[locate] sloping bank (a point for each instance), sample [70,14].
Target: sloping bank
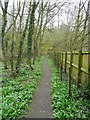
[63,107]
[18,92]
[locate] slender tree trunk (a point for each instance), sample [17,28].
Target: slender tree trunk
[84,29]
[12,46]
[3,34]
[77,24]
[35,38]
[40,28]
[42,33]
[22,36]
[30,34]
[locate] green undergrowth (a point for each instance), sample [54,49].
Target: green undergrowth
[63,106]
[18,92]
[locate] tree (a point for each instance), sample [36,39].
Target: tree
[3,33]
[30,34]
[22,36]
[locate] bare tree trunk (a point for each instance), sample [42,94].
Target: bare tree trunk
[12,46]
[22,37]
[35,38]
[84,29]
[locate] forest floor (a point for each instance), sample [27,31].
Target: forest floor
[41,103]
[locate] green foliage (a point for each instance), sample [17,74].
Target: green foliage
[86,90]
[58,38]
[18,92]
[63,106]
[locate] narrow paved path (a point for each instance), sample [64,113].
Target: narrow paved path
[41,103]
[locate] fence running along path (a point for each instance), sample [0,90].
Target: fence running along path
[76,64]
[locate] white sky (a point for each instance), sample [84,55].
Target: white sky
[63,17]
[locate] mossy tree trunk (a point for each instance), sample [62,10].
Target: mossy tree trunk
[30,34]
[3,34]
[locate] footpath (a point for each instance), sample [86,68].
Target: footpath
[41,103]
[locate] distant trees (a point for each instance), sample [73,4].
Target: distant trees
[81,25]
[23,30]
[26,35]
[72,35]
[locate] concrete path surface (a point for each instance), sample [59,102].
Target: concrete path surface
[41,103]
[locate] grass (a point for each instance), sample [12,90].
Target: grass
[63,106]
[18,92]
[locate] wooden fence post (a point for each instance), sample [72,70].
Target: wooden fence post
[69,83]
[79,68]
[62,60]
[54,58]
[61,64]
[89,40]
[88,67]
[58,61]
[65,62]
[71,60]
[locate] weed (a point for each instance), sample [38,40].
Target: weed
[18,92]
[63,106]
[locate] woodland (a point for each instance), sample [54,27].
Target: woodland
[28,30]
